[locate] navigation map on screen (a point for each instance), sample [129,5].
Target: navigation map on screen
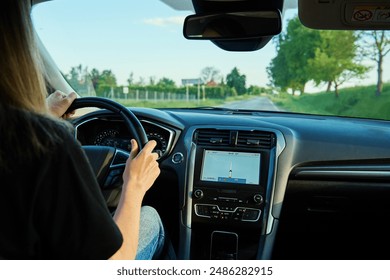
[231,167]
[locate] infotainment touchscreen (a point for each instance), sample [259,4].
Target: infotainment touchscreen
[231,167]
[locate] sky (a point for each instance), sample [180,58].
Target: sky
[140,37]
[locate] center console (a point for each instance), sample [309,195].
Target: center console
[230,194]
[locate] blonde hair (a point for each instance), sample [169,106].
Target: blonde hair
[26,128]
[22,83]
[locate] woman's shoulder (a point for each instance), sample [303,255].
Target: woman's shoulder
[54,127]
[32,135]
[50,130]
[14,118]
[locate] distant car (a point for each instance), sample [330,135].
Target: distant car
[235,183]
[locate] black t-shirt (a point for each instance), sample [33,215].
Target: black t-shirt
[51,207]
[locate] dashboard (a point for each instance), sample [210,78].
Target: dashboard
[263,185]
[113,132]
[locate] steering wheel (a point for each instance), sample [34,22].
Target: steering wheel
[108,163]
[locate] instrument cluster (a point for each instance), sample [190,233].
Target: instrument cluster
[113,132]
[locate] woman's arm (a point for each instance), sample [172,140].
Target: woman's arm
[140,173]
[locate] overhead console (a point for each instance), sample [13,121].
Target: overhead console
[230,192]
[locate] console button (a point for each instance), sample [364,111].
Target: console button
[215,215]
[227,199]
[258,198]
[177,158]
[251,215]
[237,216]
[227,208]
[198,194]
[225,215]
[202,210]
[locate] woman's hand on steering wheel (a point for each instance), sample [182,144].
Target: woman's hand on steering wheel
[141,169]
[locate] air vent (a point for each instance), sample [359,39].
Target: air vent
[212,137]
[248,139]
[259,139]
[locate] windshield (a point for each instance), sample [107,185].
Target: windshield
[135,52]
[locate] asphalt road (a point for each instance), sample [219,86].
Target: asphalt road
[257,103]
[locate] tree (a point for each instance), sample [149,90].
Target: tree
[319,55]
[130,80]
[93,82]
[335,59]
[236,81]
[256,90]
[95,77]
[141,81]
[278,72]
[290,69]
[75,76]
[107,78]
[209,74]
[152,80]
[79,78]
[378,43]
[165,82]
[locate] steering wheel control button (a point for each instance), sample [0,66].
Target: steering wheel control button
[177,158]
[114,178]
[198,194]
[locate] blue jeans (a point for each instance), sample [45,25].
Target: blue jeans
[151,234]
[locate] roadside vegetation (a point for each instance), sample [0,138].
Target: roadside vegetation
[182,104]
[210,85]
[330,58]
[353,102]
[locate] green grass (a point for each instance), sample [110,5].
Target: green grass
[353,102]
[180,104]
[167,104]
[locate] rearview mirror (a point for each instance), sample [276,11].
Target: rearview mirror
[237,25]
